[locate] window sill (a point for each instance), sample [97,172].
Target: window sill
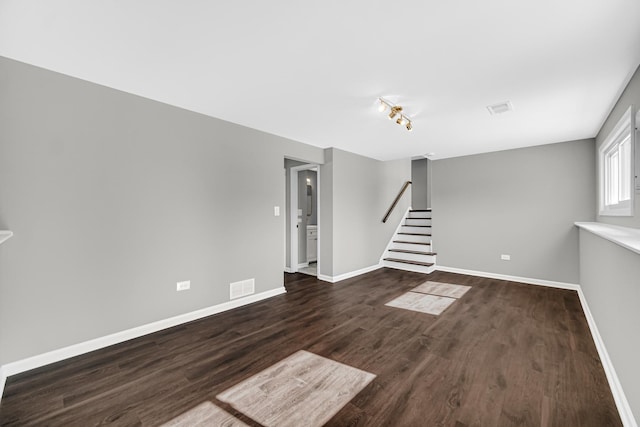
[624,210]
[628,238]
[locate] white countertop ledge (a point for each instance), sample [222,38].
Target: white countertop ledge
[4,235]
[626,237]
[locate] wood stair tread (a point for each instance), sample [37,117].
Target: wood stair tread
[416,234]
[420,210]
[406,251]
[412,243]
[405,261]
[410,225]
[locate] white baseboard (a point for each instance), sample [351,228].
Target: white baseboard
[334,279]
[118,337]
[288,270]
[620,398]
[527,280]
[3,380]
[303,265]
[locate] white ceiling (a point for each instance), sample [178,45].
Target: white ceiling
[311,71]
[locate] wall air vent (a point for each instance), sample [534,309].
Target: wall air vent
[242,288]
[500,108]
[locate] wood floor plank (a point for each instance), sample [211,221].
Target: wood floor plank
[503,354]
[303,389]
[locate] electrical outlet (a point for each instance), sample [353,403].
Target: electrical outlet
[183,286]
[505,257]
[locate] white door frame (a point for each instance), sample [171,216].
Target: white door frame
[293,196]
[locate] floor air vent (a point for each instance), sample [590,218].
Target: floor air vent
[242,288]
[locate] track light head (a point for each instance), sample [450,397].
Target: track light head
[395,110]
[382,106]
[409,126]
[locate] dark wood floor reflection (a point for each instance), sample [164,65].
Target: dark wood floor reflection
[503,354]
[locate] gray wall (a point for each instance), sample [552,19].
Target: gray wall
[609,276]
[363,189]
[114,198]
[519,202]
[325,231]
[421,184]
[630,96]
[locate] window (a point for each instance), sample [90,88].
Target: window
[616,169]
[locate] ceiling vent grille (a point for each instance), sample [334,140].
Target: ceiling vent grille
[500,108]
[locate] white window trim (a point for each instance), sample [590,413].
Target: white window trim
[625,125]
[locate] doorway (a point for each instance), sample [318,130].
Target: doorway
[304,219]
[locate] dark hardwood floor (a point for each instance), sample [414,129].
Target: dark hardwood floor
[503,354]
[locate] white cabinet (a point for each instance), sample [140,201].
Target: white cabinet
[312,243]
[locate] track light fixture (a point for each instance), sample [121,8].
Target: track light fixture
[395,110]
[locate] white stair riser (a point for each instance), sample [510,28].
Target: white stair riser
[410,229]
[410,267]
[420,215]
[411,238]
[417,221]
[411,247]
[411,257]
[418,227]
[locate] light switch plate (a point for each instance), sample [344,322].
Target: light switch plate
[276,211]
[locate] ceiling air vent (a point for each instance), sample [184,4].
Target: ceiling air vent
[500,108]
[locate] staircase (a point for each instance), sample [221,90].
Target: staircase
[411,247]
